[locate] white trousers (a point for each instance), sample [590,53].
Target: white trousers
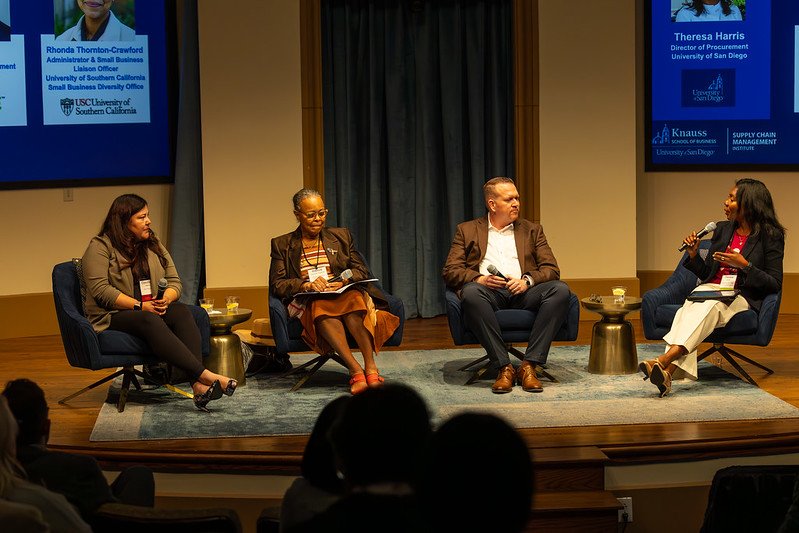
[693,323]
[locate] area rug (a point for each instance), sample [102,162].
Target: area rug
[266,407]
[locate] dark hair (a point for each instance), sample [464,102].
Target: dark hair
[27,403]
[318,461]
[699,6]
[115,227]
[301,195]
[380,435]
[450,480]
[758,207]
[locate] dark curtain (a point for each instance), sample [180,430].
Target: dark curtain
[418,114]
[187,242]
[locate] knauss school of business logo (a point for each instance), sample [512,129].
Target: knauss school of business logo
[67,105]
[663,136]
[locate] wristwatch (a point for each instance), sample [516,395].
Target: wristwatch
[527,281]
[748,267]
[137,306]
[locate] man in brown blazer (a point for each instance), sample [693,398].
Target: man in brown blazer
[501,261]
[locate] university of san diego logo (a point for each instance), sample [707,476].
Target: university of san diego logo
[67,105]
[708,88]
[713,93]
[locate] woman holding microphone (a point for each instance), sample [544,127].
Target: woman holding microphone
[121,267]
[745,253]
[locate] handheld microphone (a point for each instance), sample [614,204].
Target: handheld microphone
[347,274]
[711,226]
[162,285]
[495,272]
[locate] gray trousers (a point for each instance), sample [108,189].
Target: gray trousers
[550,301]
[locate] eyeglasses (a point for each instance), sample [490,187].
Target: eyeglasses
[322,213]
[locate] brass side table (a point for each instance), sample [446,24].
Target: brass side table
[225,356]
[613,339]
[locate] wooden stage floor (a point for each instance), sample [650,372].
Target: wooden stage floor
[42,359]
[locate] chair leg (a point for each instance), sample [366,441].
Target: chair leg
[123,394]
[322,359]
[92,386]
[298,369]
[476,375]
[317,363]
[729,355]
[707,353]
[750,361]
[167,386]
[540,369]
[475,362]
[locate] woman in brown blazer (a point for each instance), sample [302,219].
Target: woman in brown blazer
[310,260]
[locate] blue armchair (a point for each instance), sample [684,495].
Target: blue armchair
[658,307]
[288,334]
[108,349]
[515,325]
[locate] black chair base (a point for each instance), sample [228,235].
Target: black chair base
[729,354]
[317,363]
[540,370]
[128,374]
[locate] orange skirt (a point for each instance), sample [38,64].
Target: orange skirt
[380,324]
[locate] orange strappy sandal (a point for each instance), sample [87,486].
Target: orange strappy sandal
[374,380]
[355,382]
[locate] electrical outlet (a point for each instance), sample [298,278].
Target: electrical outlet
[68,195]
[628,509]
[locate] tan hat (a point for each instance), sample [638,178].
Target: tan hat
[261,333]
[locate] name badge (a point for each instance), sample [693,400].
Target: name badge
[728,281]
[146,290]
[316,273]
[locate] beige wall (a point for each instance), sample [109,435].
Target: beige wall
[587,137]
[252,127]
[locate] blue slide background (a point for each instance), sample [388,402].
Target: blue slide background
[38,153]
[760,105]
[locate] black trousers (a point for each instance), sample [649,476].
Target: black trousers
[173,337]
[550,301]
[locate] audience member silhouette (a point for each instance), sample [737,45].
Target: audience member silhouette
[78,477]
[377,441]
[460,492]
[319,487]
[54,508]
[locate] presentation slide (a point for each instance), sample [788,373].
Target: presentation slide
[722,85]
[85,92]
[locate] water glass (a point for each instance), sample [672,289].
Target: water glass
[618,293]
[232,304]
[207,304]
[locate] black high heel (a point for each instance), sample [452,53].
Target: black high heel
[214,392]
[231,387]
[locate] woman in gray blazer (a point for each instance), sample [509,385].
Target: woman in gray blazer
[122,267]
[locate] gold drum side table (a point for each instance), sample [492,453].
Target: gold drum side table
[613,339]
[225,356]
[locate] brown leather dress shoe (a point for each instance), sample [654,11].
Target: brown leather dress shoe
[505,379]
[526,375]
